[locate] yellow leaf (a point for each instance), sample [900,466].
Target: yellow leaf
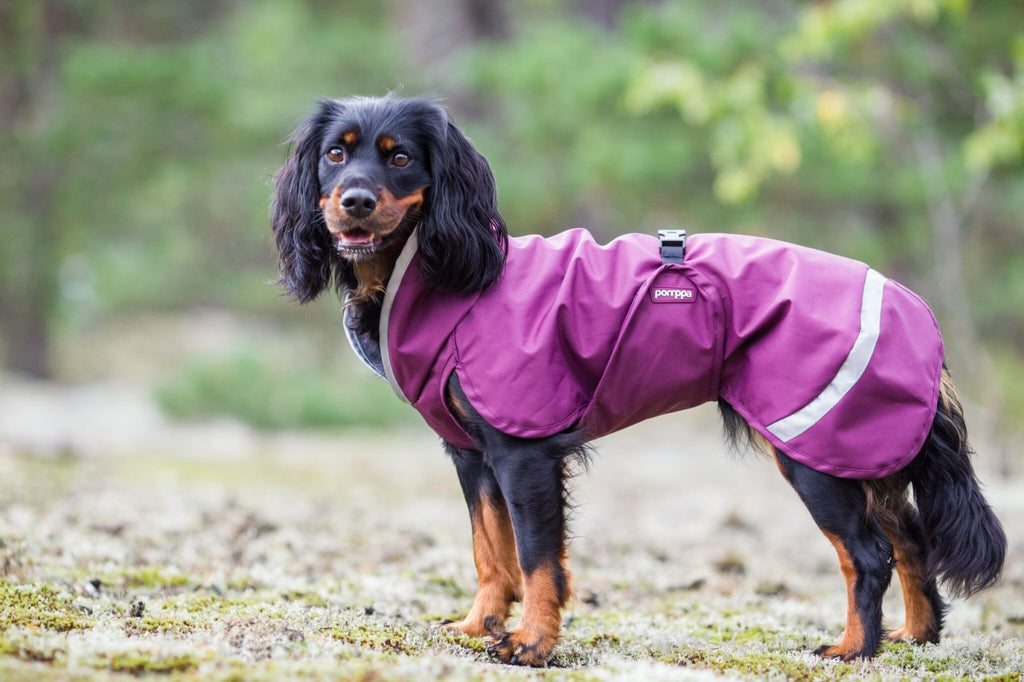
[831,108]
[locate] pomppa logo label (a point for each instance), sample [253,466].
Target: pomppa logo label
[673,295]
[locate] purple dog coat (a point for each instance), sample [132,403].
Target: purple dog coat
[834,364]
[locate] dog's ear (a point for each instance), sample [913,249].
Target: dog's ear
[306,254]
[462,237]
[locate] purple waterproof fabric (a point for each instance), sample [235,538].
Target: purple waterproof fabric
[603,336]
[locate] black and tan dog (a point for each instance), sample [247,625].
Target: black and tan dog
[374,183]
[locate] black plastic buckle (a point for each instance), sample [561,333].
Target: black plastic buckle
[672,245]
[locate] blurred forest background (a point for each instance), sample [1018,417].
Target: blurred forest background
[138,139]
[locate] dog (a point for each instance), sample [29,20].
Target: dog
[519,351]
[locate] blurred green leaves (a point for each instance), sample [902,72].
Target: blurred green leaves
[746,140]
[825,30]
[1001,139]
[886,130]
[139,139]
[265,395]
[162,147]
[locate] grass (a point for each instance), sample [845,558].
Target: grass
[325,559]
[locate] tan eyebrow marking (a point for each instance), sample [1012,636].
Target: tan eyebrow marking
[350,138]
[386,143]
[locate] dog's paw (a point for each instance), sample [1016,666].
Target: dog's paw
[841,652]
[488,626]
[520,647]
[901,636]
[905,635]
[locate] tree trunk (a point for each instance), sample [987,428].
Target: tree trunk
[28,257]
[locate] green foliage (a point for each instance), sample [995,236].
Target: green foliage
[727,93]
[1000,140]
[140,138]
[829,30]
[847,125]
[249,387]
[549,166]
[163,150]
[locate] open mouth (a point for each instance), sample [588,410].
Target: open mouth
[357,240]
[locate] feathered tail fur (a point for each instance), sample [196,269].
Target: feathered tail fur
[965,543]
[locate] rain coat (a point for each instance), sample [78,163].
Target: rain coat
[831,362]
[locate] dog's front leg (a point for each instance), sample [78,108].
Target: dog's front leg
[499,579]
[530,476]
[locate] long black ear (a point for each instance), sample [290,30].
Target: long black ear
[462,238]
[304,246]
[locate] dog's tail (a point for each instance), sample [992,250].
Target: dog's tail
[965,542]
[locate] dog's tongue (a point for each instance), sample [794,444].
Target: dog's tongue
[357,236]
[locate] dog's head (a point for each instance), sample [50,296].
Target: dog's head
[362,174]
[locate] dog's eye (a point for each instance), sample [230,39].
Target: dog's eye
[400,159]
[336,154]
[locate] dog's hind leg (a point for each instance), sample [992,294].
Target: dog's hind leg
[840,508]
[499,579]
[924,605]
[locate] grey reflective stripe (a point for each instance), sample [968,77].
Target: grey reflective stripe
[353,341]
[401,265]
[849,372]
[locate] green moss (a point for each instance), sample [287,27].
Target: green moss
[444,585]
[240,583]
[29,596]
[193,602]
[601,639]
[438,618]
[379,637]
[465,641]
[162,625]
[307,598]
[738,635]
[912,657]
[777,664]
[39,606]
[138,663]
[150,577]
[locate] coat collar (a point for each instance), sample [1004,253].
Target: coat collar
[397,277]
[382,365]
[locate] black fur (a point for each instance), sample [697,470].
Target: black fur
[965,543]
[516,484]
[840,508]
[531,476]
[953,532]
[907,532]
[462,236]
[306,256]
[462,239]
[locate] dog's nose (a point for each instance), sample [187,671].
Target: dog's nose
[358,202]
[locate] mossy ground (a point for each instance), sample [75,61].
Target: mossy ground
[322,558]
